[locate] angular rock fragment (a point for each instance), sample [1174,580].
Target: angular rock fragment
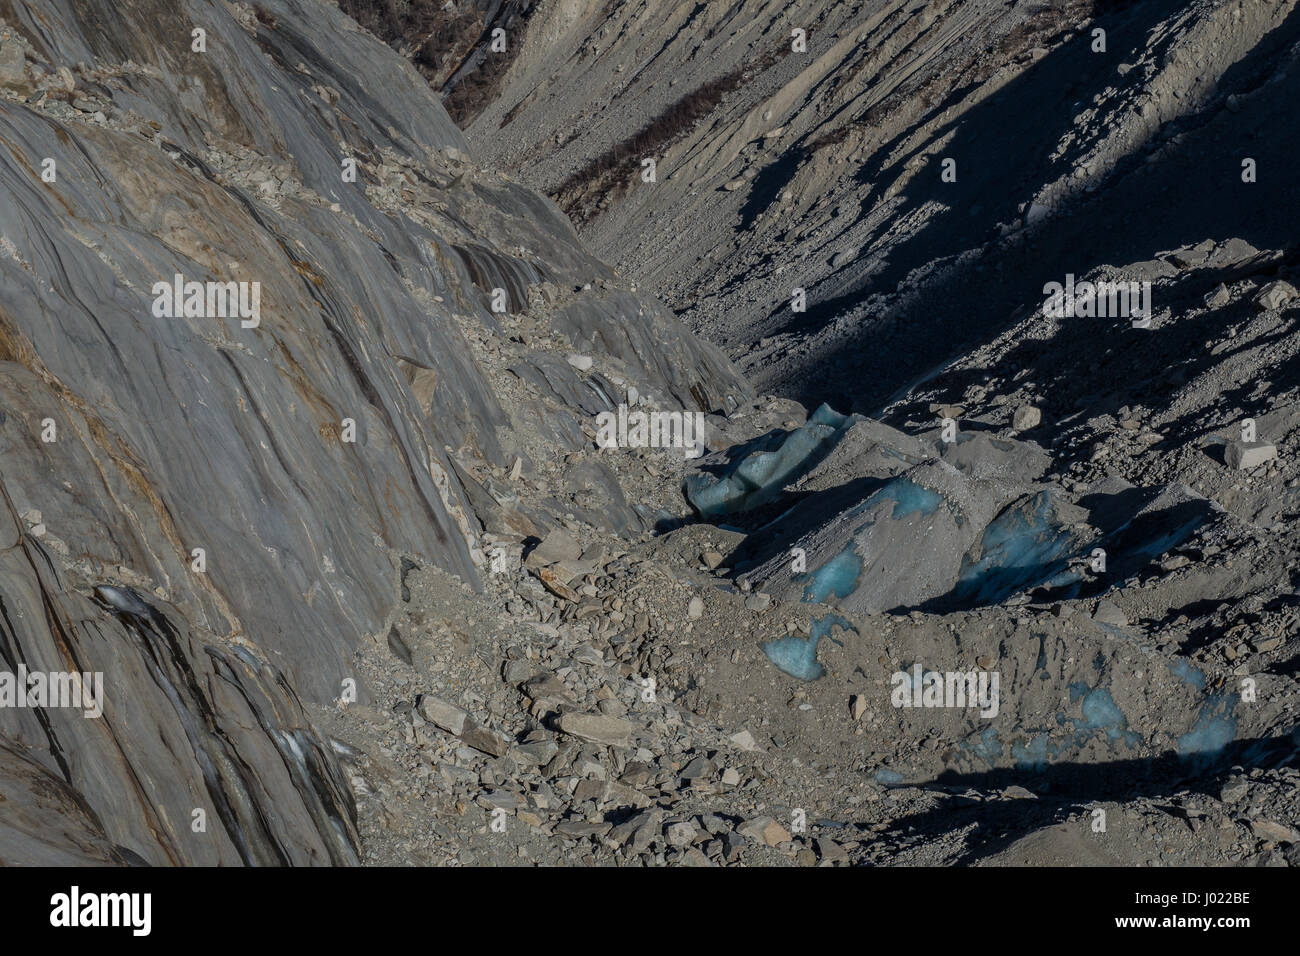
[443,715]
[638,831]
[597,728]
[765,830]
[1218,297]
[1025,418]
[558,546]
[1244,455]
[1107,613]
[552,582]
[13,72]
[1275,295]
[399,646]
[680,834]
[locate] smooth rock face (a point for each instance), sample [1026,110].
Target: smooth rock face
[190,722]
[303,453]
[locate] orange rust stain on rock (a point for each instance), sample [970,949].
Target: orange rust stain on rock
[14,346]
[301,381]
[306,270]
[49,188]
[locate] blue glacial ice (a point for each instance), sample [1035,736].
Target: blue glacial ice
[1215,728]
[1210,732]
[1034,754]
[1023,547]
[908,497]
[985,745]
[758,477]
[797,656]
[1100,712]
[1029,544]
[1187,673]
[1216,722]
[838,577]
[889,778]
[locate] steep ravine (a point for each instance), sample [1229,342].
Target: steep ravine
[355,573]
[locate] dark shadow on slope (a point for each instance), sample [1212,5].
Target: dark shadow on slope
[1192,192]
[450,44]
[1001,148]
[1077,786]
[1035,560]
[1044,22]
[767,185]
[1098,365]
[776,528]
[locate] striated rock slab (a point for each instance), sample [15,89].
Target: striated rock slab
[225,498]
